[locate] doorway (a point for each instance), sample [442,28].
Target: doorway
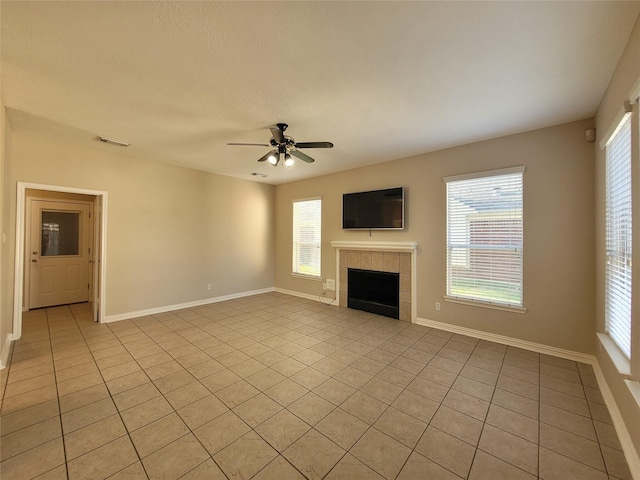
[60,249]
[59,252]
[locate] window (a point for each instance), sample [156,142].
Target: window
[618,237]
[484,237]
[60,233]
[307,236]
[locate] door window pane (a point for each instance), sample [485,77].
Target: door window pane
[60,233]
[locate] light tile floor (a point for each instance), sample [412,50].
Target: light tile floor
[276,387]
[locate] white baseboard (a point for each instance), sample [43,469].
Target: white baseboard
[630,452]
[6,351]
[168,308]
[514,342]
[308,296]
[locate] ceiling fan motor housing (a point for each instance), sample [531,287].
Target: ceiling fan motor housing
[288,142]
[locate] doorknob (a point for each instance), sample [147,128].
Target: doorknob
[35,260]
[34,252]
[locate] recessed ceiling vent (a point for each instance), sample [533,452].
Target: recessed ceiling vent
[257,174]
[113,142]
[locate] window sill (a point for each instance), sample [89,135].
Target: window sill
[478,303]
[618,358]
[306,277]
[634,388]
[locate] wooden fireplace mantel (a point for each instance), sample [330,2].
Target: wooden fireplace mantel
[373,245]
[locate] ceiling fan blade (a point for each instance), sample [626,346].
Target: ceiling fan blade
[263,158]
[251,144]
[302,156]
[314,145]
[278,136]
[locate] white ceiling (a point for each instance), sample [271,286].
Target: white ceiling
[381,80]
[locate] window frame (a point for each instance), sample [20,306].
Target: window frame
[517,307]
[612,321]
[296,252]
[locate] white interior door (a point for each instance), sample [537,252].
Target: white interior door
[60,251]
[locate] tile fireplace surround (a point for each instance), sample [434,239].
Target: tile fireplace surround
[394,257]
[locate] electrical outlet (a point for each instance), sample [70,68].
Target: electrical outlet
[438,306]
[331,284]
[209,286]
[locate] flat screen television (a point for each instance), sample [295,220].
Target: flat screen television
[373,210]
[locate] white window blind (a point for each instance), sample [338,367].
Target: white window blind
[484,237]
[307,236]
[618,237]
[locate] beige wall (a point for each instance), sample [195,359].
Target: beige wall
[6,261]
[170,230]
[626,74]
[558,229]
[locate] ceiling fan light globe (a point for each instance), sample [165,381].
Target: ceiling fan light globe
[288,161]
[273,160]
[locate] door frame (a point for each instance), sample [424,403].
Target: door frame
[99,294]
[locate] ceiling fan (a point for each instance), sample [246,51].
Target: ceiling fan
[285,147]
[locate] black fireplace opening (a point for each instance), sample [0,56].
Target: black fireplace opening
[374,292]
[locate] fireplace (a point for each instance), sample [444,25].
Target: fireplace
[386,257]
[374,292]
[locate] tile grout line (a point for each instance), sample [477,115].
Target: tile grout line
[286,322]
[104,381]
[252,429]
[163,395]
[369,427]
[539,419]
[434,413]
[484,422]
[55,380]
[313,427]
[593,423]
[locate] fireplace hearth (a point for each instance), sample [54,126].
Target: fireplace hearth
[374,292]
